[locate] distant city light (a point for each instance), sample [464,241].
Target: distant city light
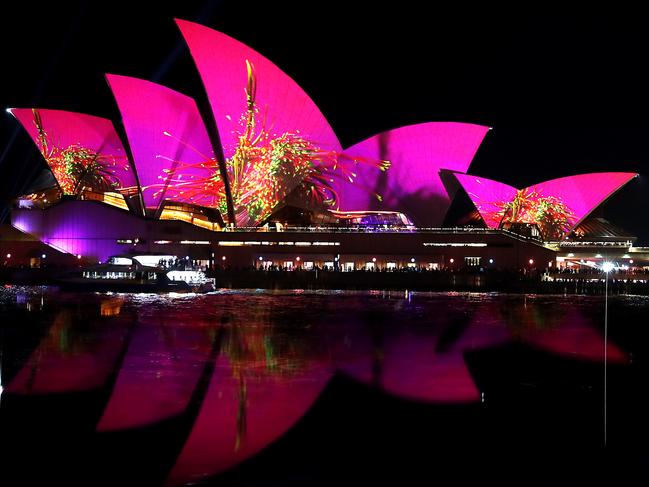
[491,261]
[452,260]
[630,261]
[8,256]
[373,259]
[298,259]
[412,259]
[223,258]
[78,256]
[608,267]
[43,256]
[261,258]
[531,261]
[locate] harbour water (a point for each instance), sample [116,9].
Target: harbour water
[298,387]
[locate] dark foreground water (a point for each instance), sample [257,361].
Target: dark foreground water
[291,388]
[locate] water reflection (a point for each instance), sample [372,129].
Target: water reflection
[158,375]
[243,368]
[561,330]
[77,354]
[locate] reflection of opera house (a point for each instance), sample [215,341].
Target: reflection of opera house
[265,182]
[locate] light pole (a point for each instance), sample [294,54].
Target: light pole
[606,267]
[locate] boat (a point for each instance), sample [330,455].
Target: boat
[142,273]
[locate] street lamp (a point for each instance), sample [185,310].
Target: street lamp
[607,267]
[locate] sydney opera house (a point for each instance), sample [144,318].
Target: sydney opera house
[262,180]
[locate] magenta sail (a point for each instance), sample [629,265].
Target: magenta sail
[487,196]
[283,105]
[81,150]
[168,140]
[412,185]
[569,199]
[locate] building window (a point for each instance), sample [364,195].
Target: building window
[472,261]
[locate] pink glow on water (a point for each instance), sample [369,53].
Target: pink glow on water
[221,62]
[148,112]
[62,363]
[412,369]
[65,129]
[573,337]
[412,185]
[240,416]
[158,376]
[411,365]
[582,193]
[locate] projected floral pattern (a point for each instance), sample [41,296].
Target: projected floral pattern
[272,146]
[264,169]
[75,166]
[554,206]
[553,217]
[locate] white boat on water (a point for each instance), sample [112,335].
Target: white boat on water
[140,273]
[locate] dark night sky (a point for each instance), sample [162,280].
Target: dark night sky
[566,92]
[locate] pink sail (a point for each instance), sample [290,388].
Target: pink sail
[579,195]
[285,107]
[487,195]
[169,143]
[69,141]
[585,192]
[412,185]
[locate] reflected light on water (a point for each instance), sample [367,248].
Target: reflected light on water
[243,367]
